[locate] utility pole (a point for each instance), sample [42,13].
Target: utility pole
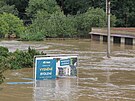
[108,28]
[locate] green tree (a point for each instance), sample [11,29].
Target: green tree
[64,26]
[12,23]
[21,6]
[4,28]
[7,8]
[74,6]
[49,6]
[124,10]
[50,25]
[97,17]
[94,17]
[83,25]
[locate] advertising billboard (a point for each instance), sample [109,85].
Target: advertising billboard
[45,68]
[51,67]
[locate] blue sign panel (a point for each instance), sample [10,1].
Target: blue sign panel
[64,62]
[45,69]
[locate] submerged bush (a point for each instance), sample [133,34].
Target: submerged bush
[4,64]
[3,51]
[23,59]
[16,60]
[1,78]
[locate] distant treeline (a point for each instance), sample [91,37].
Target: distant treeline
[39,19]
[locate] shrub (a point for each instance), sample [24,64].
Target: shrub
[29,36]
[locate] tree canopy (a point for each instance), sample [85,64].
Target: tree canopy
[64,18]
[49,20]
[124,10]
[4,7]
[49,6]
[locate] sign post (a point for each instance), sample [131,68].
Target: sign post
[108,29]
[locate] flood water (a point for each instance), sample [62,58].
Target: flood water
[99,78]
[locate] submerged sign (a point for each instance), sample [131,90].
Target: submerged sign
[50,67]
[64,62]
[66,66]
[45,68]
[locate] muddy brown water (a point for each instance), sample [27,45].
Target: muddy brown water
[99,78]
